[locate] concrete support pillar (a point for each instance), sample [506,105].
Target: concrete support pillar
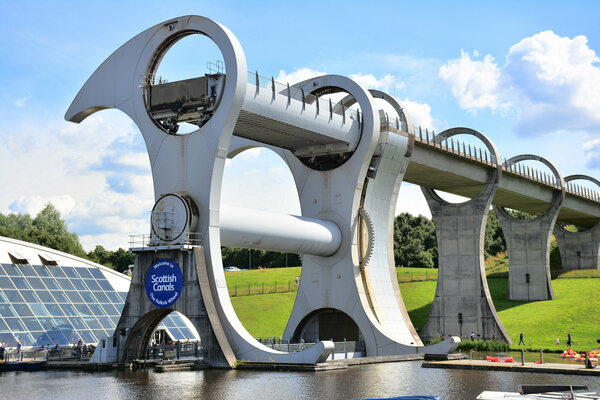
[462,302]
[579,250]
[140,316]
[528,244]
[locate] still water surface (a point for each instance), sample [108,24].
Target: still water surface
[377,380]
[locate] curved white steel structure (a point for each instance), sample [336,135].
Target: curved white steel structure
[347,165]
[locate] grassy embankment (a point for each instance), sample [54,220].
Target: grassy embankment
[576,307]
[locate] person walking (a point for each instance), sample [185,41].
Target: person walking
[557,340]
[521,341]
[19,354]
[472,335]
[569,342]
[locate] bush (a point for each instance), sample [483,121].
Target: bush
[484,345]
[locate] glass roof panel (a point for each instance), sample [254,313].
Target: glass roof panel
[41,270]
[69,309]
[41,338]
[102,298]
[32,324]
[12,270]
[96,273]
[70,272]
[30,296]
[39,310]
[15,324]
[22,310]
[92,284]
[45,296]
[27,270]
[54,309]
[60,296]
[51,283]
[85,272]
[87,296]
[79,285]
[65,284]
[36,283]
[8,339]
[3,326]
[78,323]
[7,311]
[88,337]
[13,296]
[20,282]
[74,296]
[57,337]
[6,284]
[25,338]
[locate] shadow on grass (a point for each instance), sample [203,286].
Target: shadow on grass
[498,290]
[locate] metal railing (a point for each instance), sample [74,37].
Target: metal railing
[32,354]
[147,240]
[341,349]
[176,351]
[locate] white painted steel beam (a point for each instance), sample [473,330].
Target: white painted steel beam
[255,229]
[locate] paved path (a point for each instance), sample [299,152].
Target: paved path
[569,369]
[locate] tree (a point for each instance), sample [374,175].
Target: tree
[46,229]
[494,242]
[414,241]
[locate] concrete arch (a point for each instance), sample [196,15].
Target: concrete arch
[558,197]
[310,328]
[528,243]
[493,177]
[579,250]
[405,119]
[462,301]
[139,337]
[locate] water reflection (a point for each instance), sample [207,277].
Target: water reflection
[377,380]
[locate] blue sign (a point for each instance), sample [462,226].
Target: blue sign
[164,283]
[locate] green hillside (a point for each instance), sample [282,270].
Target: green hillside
[575,309]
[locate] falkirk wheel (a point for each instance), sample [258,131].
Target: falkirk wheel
[347,166]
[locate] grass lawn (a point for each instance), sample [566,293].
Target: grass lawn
[264,315]
[576,307]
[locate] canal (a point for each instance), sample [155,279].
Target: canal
[376,380]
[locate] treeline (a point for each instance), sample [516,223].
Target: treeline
[50,230]
[246,258]
[415,242]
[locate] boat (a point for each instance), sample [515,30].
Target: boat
[548,392]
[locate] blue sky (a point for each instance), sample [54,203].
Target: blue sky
[526,74]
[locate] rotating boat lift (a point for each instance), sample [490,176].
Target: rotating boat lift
[347,171]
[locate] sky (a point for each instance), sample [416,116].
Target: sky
[524,73]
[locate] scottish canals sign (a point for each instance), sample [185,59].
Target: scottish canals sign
[164,282]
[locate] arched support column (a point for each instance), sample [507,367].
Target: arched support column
[528,244]
[579,250]
[462,302]
[140,316]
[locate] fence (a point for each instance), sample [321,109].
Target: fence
[50,354]
[343,349]
[253,289]
[191,349]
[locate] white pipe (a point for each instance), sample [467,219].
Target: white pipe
[241,227]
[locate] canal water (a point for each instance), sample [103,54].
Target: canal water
[376,380]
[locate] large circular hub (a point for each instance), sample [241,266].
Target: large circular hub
[180,106]
[172,216]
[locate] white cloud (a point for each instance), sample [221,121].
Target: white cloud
[34,204]
[73,167]
[299,75]
[21,102]
[369,81]
[551,82]
[474,82]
